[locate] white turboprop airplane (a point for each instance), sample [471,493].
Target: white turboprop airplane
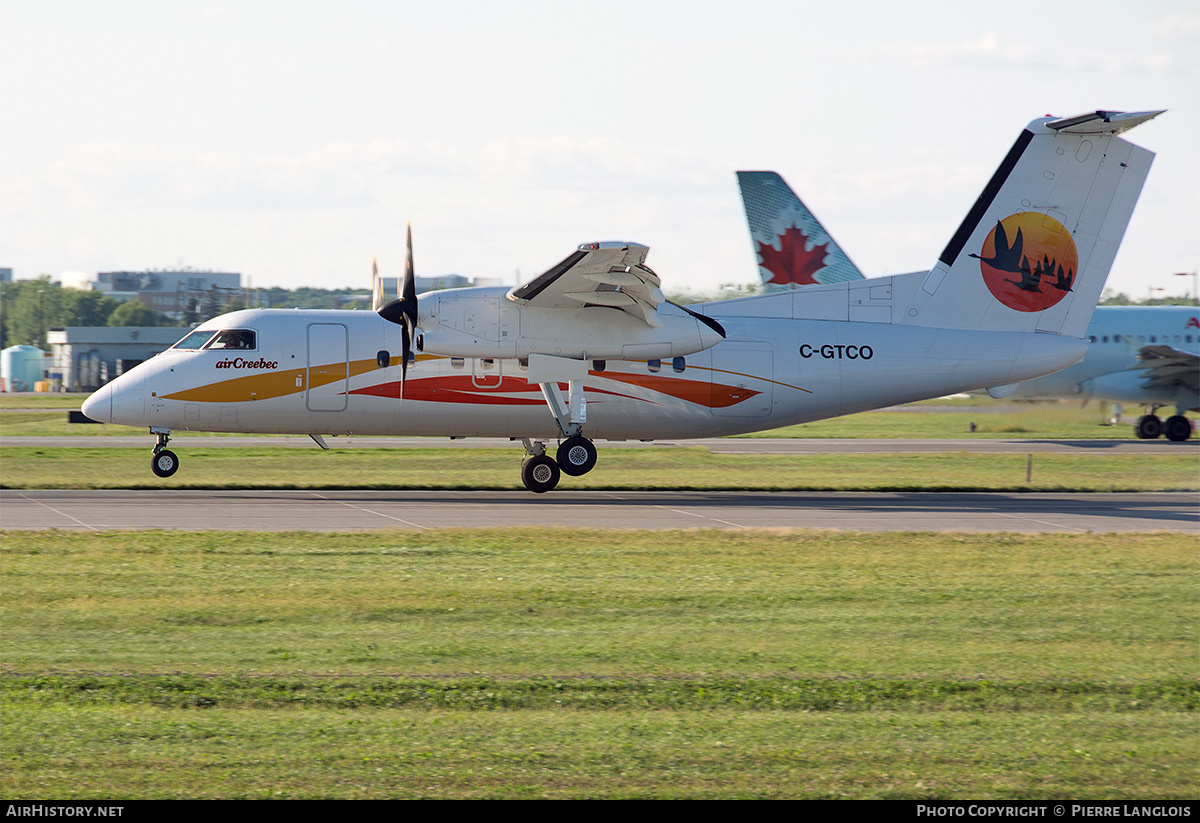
[493,362]
[1119,365]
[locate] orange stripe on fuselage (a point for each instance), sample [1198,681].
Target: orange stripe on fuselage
[712,395]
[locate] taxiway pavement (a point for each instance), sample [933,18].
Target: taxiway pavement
[358,510]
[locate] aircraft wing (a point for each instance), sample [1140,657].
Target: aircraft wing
[1168,367]
[598,274]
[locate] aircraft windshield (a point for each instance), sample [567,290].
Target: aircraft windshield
[242,339]
[195,340]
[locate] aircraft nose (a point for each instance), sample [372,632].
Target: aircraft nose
[98,406]
[122,401]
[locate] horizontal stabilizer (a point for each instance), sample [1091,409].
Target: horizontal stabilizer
[1102,122]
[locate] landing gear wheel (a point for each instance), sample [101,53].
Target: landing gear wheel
[576,456]
[1178,428]
[540,473]
[1148,427]
[165,463]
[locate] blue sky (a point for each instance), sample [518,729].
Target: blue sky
[292,141]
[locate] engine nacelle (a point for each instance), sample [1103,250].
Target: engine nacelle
[482,322]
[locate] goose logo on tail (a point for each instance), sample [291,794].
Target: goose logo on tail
[1028,261]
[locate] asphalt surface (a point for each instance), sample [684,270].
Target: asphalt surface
[411,510]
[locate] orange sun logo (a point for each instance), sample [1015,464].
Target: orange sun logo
[1028,261]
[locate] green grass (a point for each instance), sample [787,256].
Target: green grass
[993,419]
[1026,421]
[48,400]
[567,663]
[676,468]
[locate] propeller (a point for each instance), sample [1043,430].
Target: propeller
[403,311]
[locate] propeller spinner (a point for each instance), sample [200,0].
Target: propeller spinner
[403,311]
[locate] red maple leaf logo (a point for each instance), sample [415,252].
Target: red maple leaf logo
[793,263]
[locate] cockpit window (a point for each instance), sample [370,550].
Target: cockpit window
[195,340]
[242,339]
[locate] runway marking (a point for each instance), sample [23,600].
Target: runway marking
[371,511]
[702,517]
[62,513]
[1044,522]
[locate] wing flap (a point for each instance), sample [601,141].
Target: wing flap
[608,274]
[1167,366]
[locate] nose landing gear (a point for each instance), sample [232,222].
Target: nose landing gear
[164,462]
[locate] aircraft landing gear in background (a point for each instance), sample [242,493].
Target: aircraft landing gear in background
[1177,428]
[164,463]
[1148,427]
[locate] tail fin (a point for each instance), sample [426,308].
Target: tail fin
[1035,249]
[806,253]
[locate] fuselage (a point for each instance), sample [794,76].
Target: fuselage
[338,372]
[1111,369]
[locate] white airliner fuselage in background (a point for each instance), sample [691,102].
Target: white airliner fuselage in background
[1009,299]
[1146,355]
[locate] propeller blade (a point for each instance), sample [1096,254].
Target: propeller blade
[403,311]
[377,298]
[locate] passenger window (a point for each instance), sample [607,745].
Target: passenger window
[194,341]
[654,365]
[678,364]
[240,339]
[599,365]
[487,364]
[457,362]
[383,358]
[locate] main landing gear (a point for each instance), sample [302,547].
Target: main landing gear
[1151,426]
[576,454]
[540,472]
[164,463]
[1176,427]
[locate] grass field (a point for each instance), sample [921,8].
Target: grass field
[561,663]
[677,468]
[930,419]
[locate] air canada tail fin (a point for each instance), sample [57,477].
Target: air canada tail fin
[1034,251]
[792,248]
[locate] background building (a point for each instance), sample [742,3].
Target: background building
[86,357]
[177,294]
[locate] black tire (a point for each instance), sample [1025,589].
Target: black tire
[540,474]
[165,463]
[1148,427]
[1178,428]
[576,456]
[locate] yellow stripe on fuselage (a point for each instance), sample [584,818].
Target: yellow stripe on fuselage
[268,385]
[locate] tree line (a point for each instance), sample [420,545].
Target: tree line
[29,308]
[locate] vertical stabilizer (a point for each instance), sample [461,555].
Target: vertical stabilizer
[792,248]
[1034,251]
